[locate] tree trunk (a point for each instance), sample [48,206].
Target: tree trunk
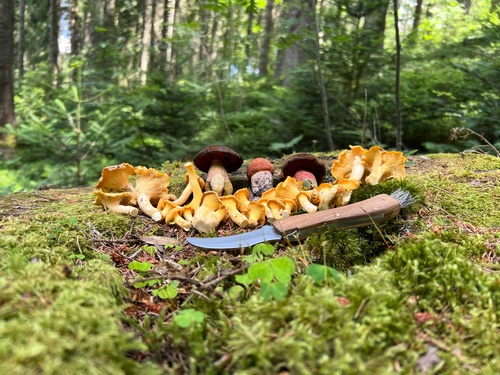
[399,125]
[146,40]
[266,41]
[418,16]
[298,15]
[22,38]
[74,27]
[163,36]
[54,36]
[249,39]
[322,85]
[7,115]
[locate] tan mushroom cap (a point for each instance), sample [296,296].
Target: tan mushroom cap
[385,165]
[114,178]
[350,164]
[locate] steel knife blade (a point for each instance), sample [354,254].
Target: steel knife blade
[373,210]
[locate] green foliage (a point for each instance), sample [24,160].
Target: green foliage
[188,317]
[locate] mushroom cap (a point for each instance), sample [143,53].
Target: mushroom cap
[229,158]
[257,165]
[303,161]
[114,178]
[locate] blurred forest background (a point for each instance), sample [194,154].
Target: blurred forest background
[90,83]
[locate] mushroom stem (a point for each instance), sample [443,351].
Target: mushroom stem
[218,179]
[145,205]
[195,186]
[122,209]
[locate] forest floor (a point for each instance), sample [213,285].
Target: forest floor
[64,305]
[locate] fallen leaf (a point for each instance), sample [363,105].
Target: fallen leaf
[159,240]
[429,360]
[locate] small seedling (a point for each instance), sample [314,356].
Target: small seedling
[188,317]
[167,291]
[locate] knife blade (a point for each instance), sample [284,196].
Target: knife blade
[373,210]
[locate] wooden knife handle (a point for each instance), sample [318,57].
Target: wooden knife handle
[372,210]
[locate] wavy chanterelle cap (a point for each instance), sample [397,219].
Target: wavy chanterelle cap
[350,164]
[115,178]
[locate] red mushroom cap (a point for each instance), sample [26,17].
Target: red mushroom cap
[229,158]
[258,165]
[303,162]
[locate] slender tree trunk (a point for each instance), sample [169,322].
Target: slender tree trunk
[54,36]
[163,36]
[399,125]
[74,27]
[298,16]
[266,41]
[418,16]
[22,38]
[7,115]
[322,86]
[249,39]
[146,40]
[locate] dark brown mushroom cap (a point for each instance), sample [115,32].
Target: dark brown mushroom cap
[303,161]
[229,158]
[258,165]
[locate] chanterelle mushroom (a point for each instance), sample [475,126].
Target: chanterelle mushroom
[218,161]
[150,187]
[211,212]
[116,202]
[350,164]
[384,165]
[260,173]
[114,178]
[304,167]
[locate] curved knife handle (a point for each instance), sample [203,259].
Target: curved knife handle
[373,210]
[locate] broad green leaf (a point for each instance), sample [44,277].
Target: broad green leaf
[283,269]
[320,273]
[244,279]
[276,291]
[261,271]
[187,318]
[263,248]
[167,291]
[140,266]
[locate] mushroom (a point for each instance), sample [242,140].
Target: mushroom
[256,214]
[290,189]
[260,174]
[304,167]
[186,192]
[174,215]
[231,204]
[210,213]
[218,161]
[350,164]
[277,208]
[114,178]
[116,202]
[337,195]
[384,165]
[150,187]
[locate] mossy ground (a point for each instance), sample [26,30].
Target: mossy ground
[419,294]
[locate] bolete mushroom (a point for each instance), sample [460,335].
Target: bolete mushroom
[260,175]
[217,162]
[116,202]
[150,187]
[384,165]
[304,167]
[114,178]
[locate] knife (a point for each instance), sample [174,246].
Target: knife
[373,210]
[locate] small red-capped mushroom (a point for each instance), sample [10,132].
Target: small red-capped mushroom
[217,162]
[260,173]
[304,167]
